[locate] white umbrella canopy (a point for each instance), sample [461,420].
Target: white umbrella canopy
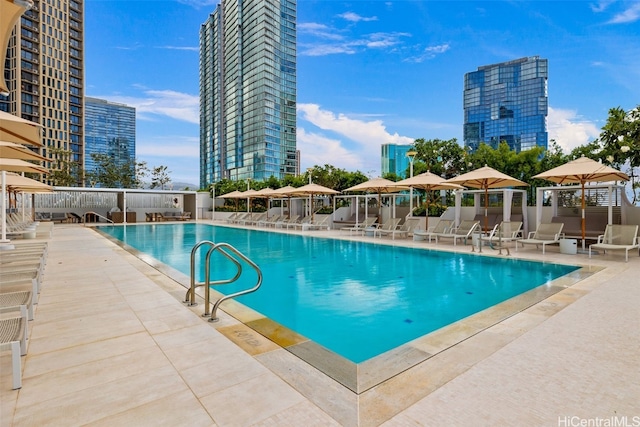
[287,192]
[486,178]
[19,130]
[378,185]
[311,190]
[429,182]
[237,195]
[10,12]
[19,183]
[581,171]
[18,165]
[11,150]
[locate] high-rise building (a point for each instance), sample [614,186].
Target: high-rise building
[395,160]
[110,129]
[45,76]
[507,102]
[248,91]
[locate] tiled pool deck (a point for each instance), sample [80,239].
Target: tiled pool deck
[112,344]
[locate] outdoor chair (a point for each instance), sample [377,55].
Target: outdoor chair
[360,227]
[13,336]
[441,227]
[388,226]
[546,234]
[408,227]
[462,232]
[618,237]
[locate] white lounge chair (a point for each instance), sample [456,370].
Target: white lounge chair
[502,234]
[408,227]
[546,234]
[441,227]
[618,237]
[388,226]
[463,232]
[360,227]
[13,336]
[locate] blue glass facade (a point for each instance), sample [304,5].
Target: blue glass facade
[248,91]
[110,129]
[395,160]
[507,102]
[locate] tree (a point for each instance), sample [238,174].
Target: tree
[160,177]
[620,143]
[110,173]
[445,158]
[66,171]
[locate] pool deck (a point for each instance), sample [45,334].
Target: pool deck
[113,344]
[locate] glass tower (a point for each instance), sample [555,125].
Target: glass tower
[395,160]
[45,74]
[110,129]
[248,91]
[507,102]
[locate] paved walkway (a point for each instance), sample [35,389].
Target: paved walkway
[112,344]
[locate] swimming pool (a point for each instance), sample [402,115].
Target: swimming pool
[356,299]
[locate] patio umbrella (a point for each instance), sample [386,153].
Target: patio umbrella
[237,195]
[581,171]
[18,130]
[486,178]
[19,183]
[429,182]
[10,12]
[11,150]
[265,193]
[13,165]
[285,191]
[311,190]
[378,185]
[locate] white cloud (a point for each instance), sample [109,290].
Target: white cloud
[631,14]
[429,52]
[176,105]
[601,6]
[569,130]
[317,149]
[188,48]
[354,17]
[364,138]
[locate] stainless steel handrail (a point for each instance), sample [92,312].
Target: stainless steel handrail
[84,217]
[223,248]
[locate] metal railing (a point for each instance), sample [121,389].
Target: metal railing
[227,251]
[84,217]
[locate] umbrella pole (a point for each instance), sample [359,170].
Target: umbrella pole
[426,212]
[486,208]
[583,222]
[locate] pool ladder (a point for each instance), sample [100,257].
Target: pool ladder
[228,252]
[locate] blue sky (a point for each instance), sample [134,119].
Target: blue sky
[369,72]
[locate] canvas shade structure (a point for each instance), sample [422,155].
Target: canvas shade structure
[265,193]
[237,195]
[19,183]
[287,192]
[312,190]
[18,130]
[580,171]
[485,178]
[13,165]
[429,182]
[10,12]
[11,150]
[378,185]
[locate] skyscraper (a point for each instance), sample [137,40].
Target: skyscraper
[395,160]
[248,91]
[507,102]
[110,129]
[45,76]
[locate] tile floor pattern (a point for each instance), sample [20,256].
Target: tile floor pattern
[112,344]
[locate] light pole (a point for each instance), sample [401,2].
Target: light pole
[411,154]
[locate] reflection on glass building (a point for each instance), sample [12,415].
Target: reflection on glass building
[110,129]
[248,91]
[395,160]
[507,102]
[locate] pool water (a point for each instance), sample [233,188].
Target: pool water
[357,299]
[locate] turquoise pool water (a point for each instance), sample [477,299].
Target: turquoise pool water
[357,299]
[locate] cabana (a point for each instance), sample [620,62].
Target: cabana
[507,202]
